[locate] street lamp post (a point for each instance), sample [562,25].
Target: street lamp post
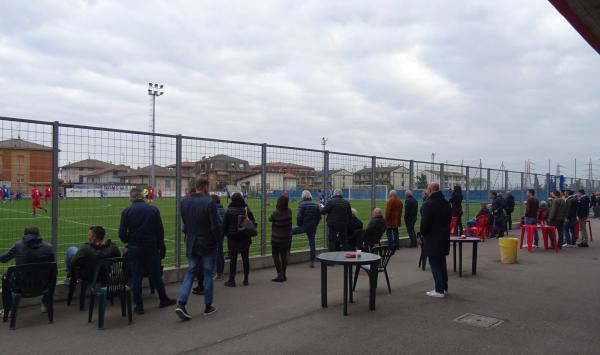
[154,90]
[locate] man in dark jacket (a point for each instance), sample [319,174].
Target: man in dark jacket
[87,256]
[142,230]
[595,202]
[356,233]
[307,219]
[531,209]
[338,213]
[435,228]
[203,233]
[411,208]
[571,220]
[498,210]
[557,215]
[375,229]
[510,208]
[31,249]
[583,211]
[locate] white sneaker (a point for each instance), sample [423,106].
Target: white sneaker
[434,294]
[445,293]
[565,245]
[535,246]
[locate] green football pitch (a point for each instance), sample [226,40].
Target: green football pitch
[77,215]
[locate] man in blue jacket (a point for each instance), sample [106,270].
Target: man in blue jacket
[411,207]
[202,235]
[142,230]
[308,218]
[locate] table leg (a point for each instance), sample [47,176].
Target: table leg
[474,265]
[350,283]
[323,285]
[460,245]
[454,254]
[345,290]
[372,285]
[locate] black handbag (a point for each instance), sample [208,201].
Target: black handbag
[246,226]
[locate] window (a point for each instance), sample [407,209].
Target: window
[20,178]
[167,183]
[80,169]
[210,166]
[21,161]
[242,166]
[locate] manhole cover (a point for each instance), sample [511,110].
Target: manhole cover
[477,320]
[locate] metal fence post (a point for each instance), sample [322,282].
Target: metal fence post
[54,217]
[411,176]
[325,193]
[373,173]
[489,183]
[522,193]
[178,157]
[505,181]
[263,205]
[467,194]
[442,177]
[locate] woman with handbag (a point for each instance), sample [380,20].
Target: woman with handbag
[281,236]
[239,226]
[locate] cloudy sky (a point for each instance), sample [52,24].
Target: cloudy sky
[499,80]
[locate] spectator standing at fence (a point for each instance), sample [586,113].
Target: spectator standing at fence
[338,213]
[307,219]
[456,204]
[510,208]
[498,210]
[36,196]
[571,221]
[532,205]
[411,208]
[557,215]
[375,229]
[393,218]
[238,242]
[90,253]
[31,249]
[595,204]
[281,236]
[142,230]
[203,233]
[435,224]
[583,212]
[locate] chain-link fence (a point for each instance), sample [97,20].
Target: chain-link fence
[84,175]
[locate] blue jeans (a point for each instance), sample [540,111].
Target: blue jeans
[208,264]
[310,233]
[570,236]
[440,272]
[532,221]
[393,237]
[69,254]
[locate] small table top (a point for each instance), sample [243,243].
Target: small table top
[467,239]
[339,257]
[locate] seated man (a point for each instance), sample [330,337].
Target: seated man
[375,229]
[355,231]
[31,249]
[91,253]
[484,210]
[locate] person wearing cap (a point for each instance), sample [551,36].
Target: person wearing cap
[583,211]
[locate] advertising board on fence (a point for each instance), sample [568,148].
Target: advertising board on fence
[99,191]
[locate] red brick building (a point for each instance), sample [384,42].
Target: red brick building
[24,164]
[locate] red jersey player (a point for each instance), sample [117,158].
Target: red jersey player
[35,200]
[150,194]
[47,194]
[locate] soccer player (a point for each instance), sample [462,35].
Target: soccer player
[36,196]
[5,193]
[159,194]
[150,194]
[146,192]
[47,194]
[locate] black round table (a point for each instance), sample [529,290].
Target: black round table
[339,258]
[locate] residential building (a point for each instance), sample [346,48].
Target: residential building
[165,178]
[275,181]
[396,177]
[109,175]
[306,176]
[338,179]
[221,170]
[73,173]
[450,178]
[24,163]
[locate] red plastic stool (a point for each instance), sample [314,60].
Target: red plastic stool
[530,232]
[550,232]
[589,224]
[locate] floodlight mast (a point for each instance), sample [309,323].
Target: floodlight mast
[154,90]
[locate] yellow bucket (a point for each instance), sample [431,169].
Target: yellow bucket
[508,250]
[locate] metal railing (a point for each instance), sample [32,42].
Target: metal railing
[90,170]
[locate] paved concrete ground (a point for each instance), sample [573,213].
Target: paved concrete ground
[549,303]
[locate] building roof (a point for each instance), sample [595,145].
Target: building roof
[285,175]
[446,173]
[184,165]
[89,164]
[20,144]
[159,171]
[223,157]
[382,169]
[584,16]
[333,172]
[114,169]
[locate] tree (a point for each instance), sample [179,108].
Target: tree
[478,183]
[422,181]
